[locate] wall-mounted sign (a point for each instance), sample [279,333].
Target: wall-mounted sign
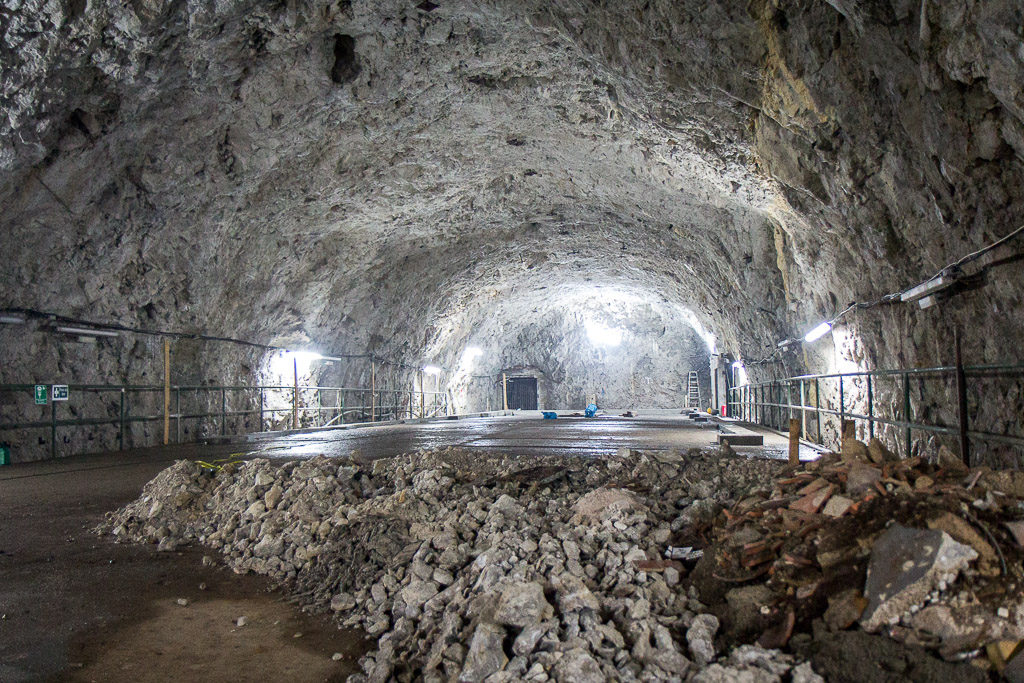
[41,395]
[60,392]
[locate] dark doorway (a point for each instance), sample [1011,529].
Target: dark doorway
[522,393]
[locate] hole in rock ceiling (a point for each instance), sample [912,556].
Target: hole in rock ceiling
[346,64]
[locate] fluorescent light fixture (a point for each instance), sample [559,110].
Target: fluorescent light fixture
[602,335]
[818,332]
[936,284]
[431,369]
[305,356]
[737,364]
[12,319]
[86,332]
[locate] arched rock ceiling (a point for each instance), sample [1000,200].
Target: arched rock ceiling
[350,174]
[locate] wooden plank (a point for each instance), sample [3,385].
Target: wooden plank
[794,441]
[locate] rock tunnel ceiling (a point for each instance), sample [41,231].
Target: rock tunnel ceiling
[411,178]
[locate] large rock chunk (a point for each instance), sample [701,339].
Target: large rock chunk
[522,604]
[603,502]
[577,666]
[573,595]
[485,655]
[905,565]
[861,478]
[701,638]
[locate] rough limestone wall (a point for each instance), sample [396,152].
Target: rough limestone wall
[371,176]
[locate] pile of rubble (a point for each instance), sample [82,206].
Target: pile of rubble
[928,553]
[472,566]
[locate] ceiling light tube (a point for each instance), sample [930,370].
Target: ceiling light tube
[818,332]
[431,369]
[12,319]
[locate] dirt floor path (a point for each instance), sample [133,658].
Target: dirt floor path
[74,606]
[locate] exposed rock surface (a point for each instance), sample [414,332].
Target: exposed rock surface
[415,178]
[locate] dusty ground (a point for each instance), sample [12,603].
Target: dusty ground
[79,607]
[76,606]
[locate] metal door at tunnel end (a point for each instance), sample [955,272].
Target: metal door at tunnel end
[522,393]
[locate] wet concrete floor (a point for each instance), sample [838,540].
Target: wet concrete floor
[74,606]
[517,435]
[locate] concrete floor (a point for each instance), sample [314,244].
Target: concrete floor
[74,606]
[525,435]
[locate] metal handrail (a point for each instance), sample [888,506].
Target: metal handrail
[376,403]
[766,403]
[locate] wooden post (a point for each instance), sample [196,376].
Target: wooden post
[373,390]
[849,431]
[504,391]
[167,391]
[794,441]
[295,393]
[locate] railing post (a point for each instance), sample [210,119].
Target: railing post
[341,404]
[871,410]
[223,411]
[906,412]
[789,399]
[53,427]
[295,393]
[961,395]
[259,417]
[167,391]
[778,405]
[817,413]
[177,411]
[120,428]
[803,409]
[842,412]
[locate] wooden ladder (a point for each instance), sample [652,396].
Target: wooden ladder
[692,390]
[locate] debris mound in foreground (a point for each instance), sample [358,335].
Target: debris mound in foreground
[473,566]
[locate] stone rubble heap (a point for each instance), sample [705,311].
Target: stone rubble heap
[472,566]
[927,553]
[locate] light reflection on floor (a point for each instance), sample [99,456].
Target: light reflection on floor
[518,435]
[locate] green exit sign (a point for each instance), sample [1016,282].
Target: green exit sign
[41,392]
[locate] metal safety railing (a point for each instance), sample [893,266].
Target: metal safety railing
[224,409]
[893,403]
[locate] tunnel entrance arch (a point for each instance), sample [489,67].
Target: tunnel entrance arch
[521,393]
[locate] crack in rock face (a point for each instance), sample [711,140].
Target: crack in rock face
[413,179]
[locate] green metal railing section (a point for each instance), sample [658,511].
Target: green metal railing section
[896,406]
[202,411]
